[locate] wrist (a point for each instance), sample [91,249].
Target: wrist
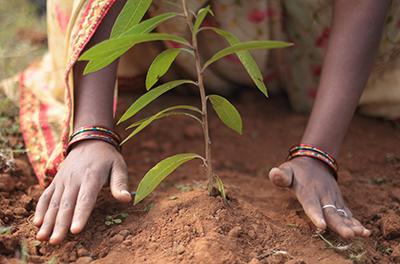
[94,121]
[330,146]
[89,144]
[94,133]
[313,152]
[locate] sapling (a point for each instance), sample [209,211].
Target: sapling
[129,31]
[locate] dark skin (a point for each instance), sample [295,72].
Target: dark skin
[357,26]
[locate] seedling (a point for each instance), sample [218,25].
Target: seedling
[24,255]
[115,219]
[53,260]
[5,230]
[128,31]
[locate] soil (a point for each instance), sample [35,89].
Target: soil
[179,223]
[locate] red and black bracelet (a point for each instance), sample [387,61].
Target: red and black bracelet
[94,133]
[304,150]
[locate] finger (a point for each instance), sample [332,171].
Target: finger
[337,223]
[85,203]
[119,181]
[366,232]
[42,205]
[357,228]
[64,215]
[312,208]
[51,214]
[282,176]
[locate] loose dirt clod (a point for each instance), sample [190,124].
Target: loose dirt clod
[254,261]
[84,260]
[180,249]
[82,252]
[390,225]
[235,231]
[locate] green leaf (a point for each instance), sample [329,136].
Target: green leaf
[246,46]
[246,59]
[98,64]
[123,215]
[130,15]
[124,43]
[5,230]
[160,66]
[109,217]
[220,186]
[227,113]
[53,260]
[117,221]
[161,114]
[183,107]
[159,172]
[108,51]
[149,25]
[201,15]
[149,97]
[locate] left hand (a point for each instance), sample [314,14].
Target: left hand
[315,186]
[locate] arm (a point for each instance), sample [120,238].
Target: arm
[356,32]
[69,200]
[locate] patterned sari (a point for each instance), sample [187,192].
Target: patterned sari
[45,90]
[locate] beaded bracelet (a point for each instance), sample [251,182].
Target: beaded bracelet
[304,150]
[93,129]
[94,133]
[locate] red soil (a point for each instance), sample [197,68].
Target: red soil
[179,223]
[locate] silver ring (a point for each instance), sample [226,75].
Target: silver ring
[329,206]
[342,212]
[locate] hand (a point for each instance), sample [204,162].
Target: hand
[314,186]
[69,200]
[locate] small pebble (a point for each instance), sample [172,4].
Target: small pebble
[180,249]
[117,239]
[84,260]
[254,261]
[20,211]
[83,252]
[124,233]
[235,231]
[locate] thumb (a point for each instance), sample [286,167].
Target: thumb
[282,176]
[119,181]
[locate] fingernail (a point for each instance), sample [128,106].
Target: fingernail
[274,168]
[53,238]
[40,233]
[74,226]
[124,192]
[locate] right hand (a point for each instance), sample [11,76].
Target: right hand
[68,201]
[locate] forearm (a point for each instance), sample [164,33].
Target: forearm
[94,93]
[354,40]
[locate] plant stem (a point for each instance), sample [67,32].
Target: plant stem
[203,97]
